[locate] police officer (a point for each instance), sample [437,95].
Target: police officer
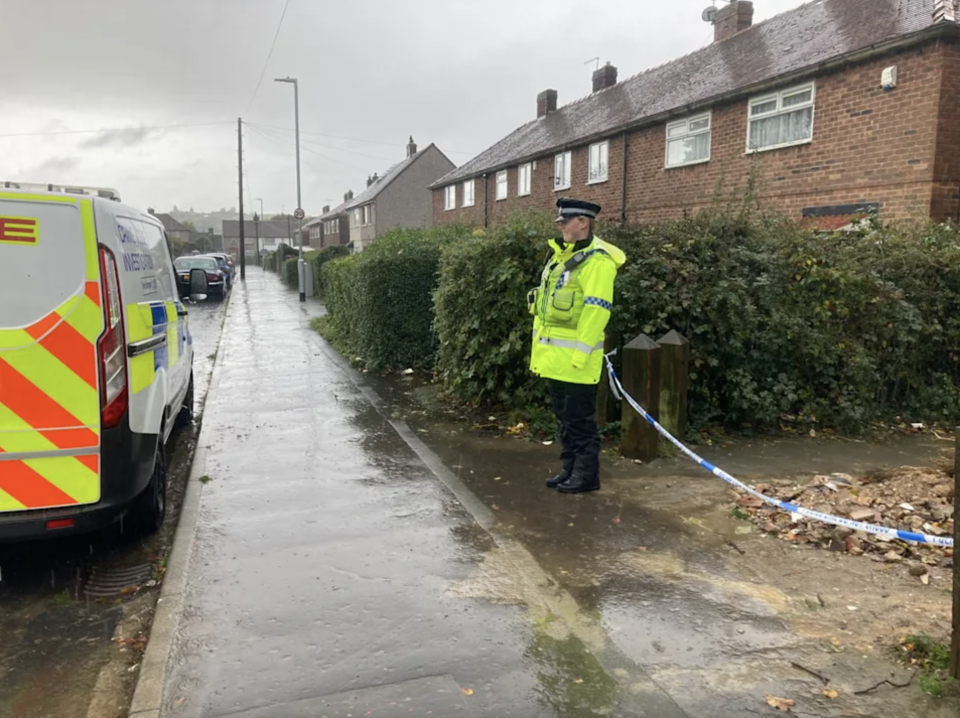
[571,309]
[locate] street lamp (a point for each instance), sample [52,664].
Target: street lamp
[299,212]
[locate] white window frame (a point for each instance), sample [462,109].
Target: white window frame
[780,110]
[366,215]
[450,197]
[356,217]
[524,170]
[687,132]
[502,184]
[469,193]
[562,181]
[603,150]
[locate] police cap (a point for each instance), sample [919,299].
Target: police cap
[570,208]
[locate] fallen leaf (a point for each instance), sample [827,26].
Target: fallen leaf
[547,443]
[616,519]
[743,530]
[496,508]
[498,478]
[830,694]
[781,704]
[578,680]
[925,579]
[467,691]
[570,524]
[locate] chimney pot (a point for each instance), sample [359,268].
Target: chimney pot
[369,180]
[731,19]
[151,210]
[546,103]
[411,147]
[604,77]
[326,208]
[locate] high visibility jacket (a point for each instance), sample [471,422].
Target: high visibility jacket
[571,309]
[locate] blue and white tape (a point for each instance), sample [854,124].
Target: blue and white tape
[783,505]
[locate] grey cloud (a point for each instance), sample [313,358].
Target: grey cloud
[130,137]
[58,165]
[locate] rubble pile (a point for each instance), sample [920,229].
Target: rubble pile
[912,499]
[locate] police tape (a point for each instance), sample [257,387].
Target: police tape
[793,509]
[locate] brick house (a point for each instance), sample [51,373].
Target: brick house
[400,198]
[332,227]
[835,109]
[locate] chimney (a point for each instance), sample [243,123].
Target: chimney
[151,210]
[605,77]
[349,195]
[731,19]
[375,177]
[326,208]
[411,147]
[369,180]
[546,103]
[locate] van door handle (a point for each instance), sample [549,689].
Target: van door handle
[182,312]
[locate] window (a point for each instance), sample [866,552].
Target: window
[782,119]
[561,172]
[599,154]
[356,217]
[523,179]
[366,214]
[468,188]
[502,185]
[450,197]
[688,141]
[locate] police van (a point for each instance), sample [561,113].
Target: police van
[96,362]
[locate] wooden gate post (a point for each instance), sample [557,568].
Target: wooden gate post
[641,380]
[955,641]
[674,382]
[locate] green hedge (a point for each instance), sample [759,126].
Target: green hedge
[482,322]
[290,273]
[318,259]
[837,329]
[380,301]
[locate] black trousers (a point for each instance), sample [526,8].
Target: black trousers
[576,408]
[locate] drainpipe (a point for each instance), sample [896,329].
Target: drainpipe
[486,191]
[623,208]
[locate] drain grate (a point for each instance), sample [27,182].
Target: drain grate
[109,582]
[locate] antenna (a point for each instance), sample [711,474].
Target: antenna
[594,59]
[709,14]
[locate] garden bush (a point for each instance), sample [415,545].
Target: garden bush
[835,329]
[380,301]
[318,259]
[289,273]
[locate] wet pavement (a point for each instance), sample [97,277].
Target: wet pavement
[55,641]
[336,572]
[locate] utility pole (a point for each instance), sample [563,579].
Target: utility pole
[243,243]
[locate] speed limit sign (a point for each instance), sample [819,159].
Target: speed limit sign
[299,213]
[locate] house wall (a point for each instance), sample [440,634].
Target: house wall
[868,146]
[407,201]
[946,188]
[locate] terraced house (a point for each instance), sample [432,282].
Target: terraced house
[833,110]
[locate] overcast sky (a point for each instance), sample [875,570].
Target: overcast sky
[462,74]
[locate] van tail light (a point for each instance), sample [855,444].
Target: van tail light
[213,277]
[111,349]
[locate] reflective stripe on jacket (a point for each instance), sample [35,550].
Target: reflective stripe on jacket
[571,309]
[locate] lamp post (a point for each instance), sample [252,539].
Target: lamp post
[256,224]
[299,212]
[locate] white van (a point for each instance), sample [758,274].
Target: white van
[96,362]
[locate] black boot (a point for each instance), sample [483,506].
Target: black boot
[579,484]
[563,476]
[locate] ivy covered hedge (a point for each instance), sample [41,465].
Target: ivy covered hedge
[380,301]
[289,272]
[321,257]
[837,329]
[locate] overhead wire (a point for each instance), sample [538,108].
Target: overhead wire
[105,130]
[291,150]
[357,139]
[266,63]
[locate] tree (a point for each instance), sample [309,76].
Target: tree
[189,225]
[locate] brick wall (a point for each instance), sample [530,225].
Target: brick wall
[868,146]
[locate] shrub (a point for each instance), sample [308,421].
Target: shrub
[318,259]
[482,324]
[290,273]
[381,300]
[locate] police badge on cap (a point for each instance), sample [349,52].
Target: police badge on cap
[570,208]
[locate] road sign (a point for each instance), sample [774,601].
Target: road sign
[299,213]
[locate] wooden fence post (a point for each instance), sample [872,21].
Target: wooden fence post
[674,382]
[955,640]
[607,409]
[641,380]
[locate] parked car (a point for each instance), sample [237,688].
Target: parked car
[216,279]
[225,266]
[97,363]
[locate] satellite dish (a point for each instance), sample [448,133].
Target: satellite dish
[710,14]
